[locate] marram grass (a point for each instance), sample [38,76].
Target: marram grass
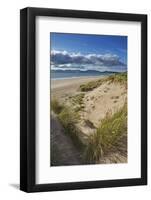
[116,78]
[56,106]
[112,128]
[68,119]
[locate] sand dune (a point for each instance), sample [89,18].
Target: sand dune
[103,99]
[106,98]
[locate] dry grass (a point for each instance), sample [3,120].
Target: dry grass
[68,119]
[77,102]
[116,78]
[56,106]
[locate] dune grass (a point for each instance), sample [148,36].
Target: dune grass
[120,78]
[90,85]
[112,128]
[78,98]
[68,118]
[56,106]
[77,101]
[116,78]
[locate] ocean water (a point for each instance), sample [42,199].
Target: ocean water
[65,74]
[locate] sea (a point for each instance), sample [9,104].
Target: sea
[66,74]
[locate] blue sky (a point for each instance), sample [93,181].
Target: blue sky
[84,51]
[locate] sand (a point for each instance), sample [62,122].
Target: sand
[65,87]
[99,101]
[105,98]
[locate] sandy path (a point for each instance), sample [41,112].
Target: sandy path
[63,151]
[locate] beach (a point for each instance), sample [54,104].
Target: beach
[88,102]
[97,102]
[92,99]
[61,88]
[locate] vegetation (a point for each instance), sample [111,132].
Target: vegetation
[107,135]
[78,99]
[93,151]
[77,102]
[116,78]
[56,107]
[68,119]
[112,128]
[91,85]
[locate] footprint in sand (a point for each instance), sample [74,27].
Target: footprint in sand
[115,97]
[107,88]
[92,98]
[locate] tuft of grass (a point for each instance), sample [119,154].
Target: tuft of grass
[56,106]
[93,150]
[112,128]
[68,119]
[116,78]
[77,101]
[91,85]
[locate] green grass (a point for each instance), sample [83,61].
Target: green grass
[56,106]
[93,151]
[91,85]
[106,137]
[112,128]
[116,78]
[77,102]
[78,99]
[68,119]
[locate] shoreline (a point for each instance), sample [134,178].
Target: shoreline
[79,77]
[55,83]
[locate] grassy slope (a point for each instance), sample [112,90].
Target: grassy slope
[116,78]
[111,129]
[68,118]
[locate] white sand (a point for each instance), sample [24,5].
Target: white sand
[64,87]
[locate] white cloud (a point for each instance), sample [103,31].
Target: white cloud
[99,62]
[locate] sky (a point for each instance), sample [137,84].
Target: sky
[88,52]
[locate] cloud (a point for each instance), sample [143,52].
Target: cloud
[64,59]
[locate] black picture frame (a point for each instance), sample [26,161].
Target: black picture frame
[28,99]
